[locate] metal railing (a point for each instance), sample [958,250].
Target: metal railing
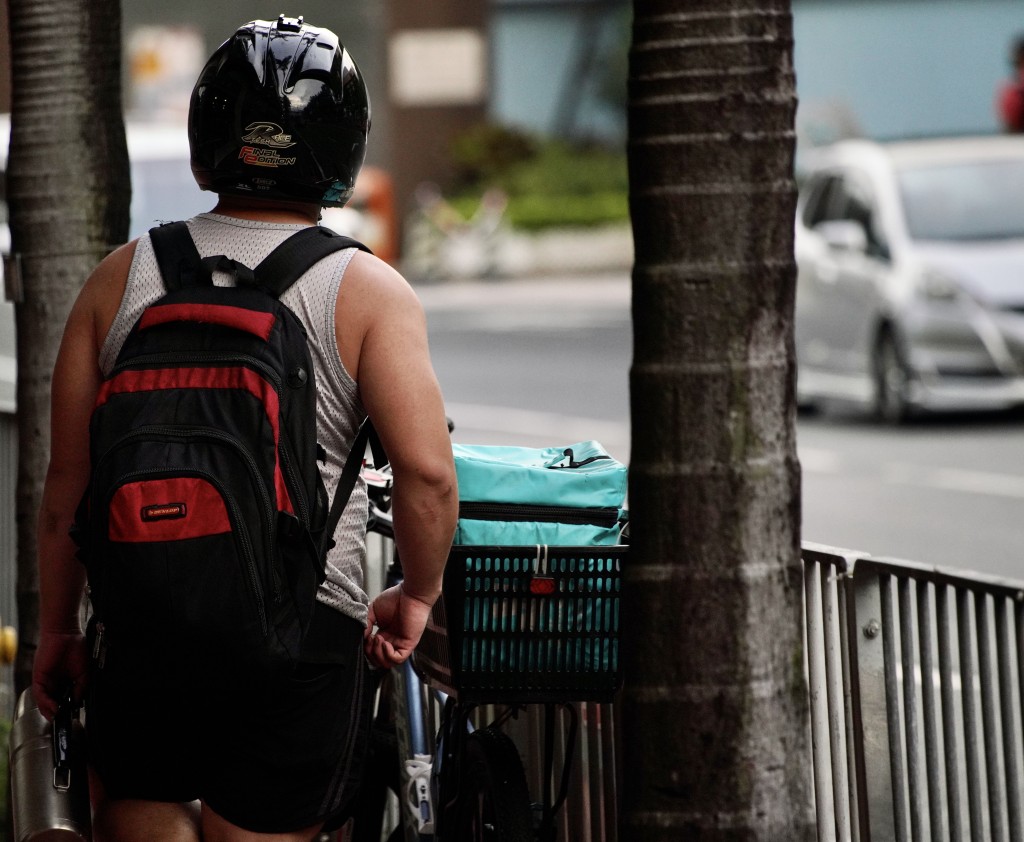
[915,677]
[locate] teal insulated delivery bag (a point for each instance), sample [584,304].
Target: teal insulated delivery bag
[560,496]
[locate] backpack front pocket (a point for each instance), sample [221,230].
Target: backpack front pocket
[181,547]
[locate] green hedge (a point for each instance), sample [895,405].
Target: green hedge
[538,212]
[549,183]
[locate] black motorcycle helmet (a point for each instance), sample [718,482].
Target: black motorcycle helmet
[280,111]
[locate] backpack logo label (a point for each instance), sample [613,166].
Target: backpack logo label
[164,511]
[267,134]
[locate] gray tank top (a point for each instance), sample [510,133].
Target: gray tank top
[338,408]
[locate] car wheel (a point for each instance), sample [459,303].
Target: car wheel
[892,377]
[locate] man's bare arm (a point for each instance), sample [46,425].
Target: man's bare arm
[402,397]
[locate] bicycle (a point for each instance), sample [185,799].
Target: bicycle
[440,745]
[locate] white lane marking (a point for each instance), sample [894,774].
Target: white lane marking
[532,423]
[598,292]
[523,321]
[817,460]
[955,479]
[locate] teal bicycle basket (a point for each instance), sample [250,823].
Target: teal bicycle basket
[522,625]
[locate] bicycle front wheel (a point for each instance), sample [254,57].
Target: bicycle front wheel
[494,800]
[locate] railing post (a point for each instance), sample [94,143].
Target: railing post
[875,729]
[825,575]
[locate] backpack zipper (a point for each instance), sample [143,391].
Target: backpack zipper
[295,485]
[142,361]
[236,516]
[518,513]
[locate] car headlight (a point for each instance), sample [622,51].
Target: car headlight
[936,285]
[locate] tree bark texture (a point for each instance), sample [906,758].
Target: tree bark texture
[715,734]
[69,193]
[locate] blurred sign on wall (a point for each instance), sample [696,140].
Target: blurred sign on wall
[438,67]
[163,63]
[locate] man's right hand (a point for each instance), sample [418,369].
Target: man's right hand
[395,625]
[61,663]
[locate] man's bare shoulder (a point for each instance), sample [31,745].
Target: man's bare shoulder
[101,295]
[378,317]
[111,273]
[372,285]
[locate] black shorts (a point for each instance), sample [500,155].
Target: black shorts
[270,756]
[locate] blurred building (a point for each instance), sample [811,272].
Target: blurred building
[560,66]
[901,68]
[550,66]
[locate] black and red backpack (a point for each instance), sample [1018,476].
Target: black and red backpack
[205,525]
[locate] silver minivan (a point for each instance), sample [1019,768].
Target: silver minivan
[910,287]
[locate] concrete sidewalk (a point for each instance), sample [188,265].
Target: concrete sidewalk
[605,289]
[505,253]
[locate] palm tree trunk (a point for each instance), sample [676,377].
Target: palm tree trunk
[715,742]
[68,190]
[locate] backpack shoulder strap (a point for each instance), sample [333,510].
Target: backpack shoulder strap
[349,473]
[177,257]
[291,260]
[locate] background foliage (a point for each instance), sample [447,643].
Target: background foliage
[549,183]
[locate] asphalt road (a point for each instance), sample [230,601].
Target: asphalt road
[547,361]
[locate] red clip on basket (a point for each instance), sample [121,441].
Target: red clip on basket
[523,625]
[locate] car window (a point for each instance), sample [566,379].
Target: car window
[853,199]
[818,191]
[975,200]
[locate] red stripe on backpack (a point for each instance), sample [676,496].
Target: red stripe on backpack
[241,318]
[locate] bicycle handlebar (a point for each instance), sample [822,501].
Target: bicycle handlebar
[378,491]
[380,522]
